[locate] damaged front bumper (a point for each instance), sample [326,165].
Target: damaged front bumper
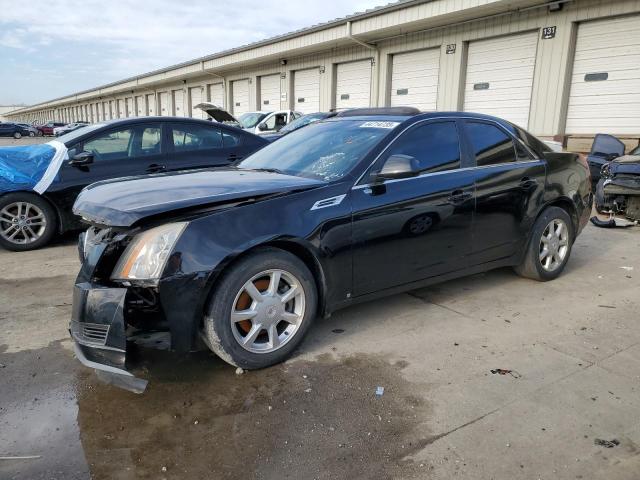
[99,333]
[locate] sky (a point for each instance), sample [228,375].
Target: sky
[52,48]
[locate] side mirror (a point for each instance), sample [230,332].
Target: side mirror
[262,127]
[399,166]
[81,159]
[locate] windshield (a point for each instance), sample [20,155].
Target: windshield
[635,151]
[302,121]
[324,150]
[71,136]
[251,119]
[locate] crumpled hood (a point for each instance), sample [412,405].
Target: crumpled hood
[122,202]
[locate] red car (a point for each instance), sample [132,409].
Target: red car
[47,128]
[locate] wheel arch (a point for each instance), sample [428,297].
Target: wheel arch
[568,206]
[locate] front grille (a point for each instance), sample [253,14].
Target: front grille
[90,333]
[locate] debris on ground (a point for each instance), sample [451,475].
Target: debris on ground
[606,443]
[338,330]
[503,371]
[628,269]
[379,391]
[606,306]
[611,223]
[239,371]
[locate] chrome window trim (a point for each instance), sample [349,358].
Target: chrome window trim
[452,119]
[431,174]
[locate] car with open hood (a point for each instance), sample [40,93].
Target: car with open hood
[39,183]
[243,259]
[258,122]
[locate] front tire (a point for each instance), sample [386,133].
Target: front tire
[549,247]
[27,222]
[17,135]
[261,309]
[32,134]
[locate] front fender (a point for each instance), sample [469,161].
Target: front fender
[209,244]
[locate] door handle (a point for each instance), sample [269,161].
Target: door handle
[527,182]
[154,168]
[459,196]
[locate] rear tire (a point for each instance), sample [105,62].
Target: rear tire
[27,221]
[261,309]
[32,134]
[549,247]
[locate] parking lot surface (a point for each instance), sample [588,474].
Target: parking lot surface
[572,347]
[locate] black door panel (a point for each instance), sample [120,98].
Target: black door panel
[509,185]
[411,229]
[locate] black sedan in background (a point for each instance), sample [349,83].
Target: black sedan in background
[119,148]
[15,130]
[341,211]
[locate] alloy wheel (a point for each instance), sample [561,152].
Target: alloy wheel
[554,245]
[22,222]
[268,311]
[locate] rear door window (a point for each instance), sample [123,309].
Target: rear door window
[491,145]
[230,139]
[195,137]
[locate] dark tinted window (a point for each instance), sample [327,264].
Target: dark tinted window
[230,139]
[490,144]
[195,137]
[435,145]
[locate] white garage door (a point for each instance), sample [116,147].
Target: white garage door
[353,84]
[270,93]
[306,90]
[178,103]
[130,107]
[164,104]
[94,112]
[414,79]
[215,94]
[605,85]
[121,108]
[140,106]
[195,97]
[151,104]
[240,95]
[109,110]
[500,77]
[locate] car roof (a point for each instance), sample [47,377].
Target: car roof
[383,116]
[133,120]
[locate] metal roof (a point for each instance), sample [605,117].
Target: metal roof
[314,28]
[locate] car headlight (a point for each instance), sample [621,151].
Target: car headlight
[146,255]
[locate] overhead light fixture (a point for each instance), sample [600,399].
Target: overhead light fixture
[283,62]
[556,7]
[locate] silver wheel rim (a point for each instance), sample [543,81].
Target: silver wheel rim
[22,223]
[268,311]
[554,245]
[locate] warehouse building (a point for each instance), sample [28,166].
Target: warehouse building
[564,69]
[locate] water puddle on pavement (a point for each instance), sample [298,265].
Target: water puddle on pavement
[198,419]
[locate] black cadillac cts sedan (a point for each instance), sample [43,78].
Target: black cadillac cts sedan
[244,258]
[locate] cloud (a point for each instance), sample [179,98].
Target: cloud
[115,39]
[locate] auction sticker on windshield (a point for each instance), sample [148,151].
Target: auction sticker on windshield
[379,124]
